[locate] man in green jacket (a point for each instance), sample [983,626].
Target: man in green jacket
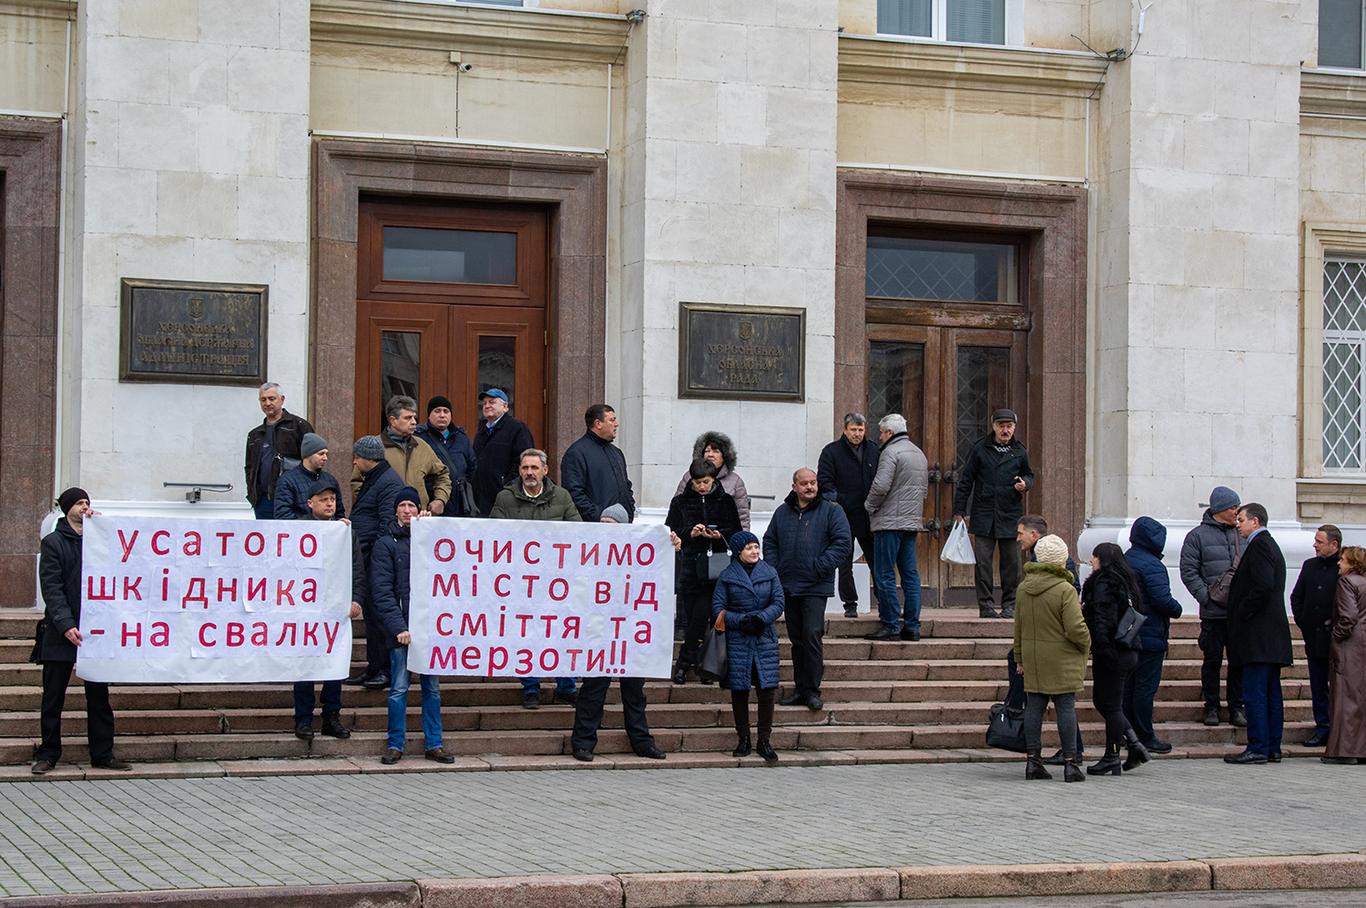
[533,496]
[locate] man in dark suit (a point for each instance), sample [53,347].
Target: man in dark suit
[845,474]
[1311,602]
[498,445]
[1259,635]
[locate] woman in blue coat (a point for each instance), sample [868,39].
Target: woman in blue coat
[1147,540]
[747,601]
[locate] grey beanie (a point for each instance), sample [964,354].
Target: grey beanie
[616,513]
[312,443]
[369,447]
[1223,498]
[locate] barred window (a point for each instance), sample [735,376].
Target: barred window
[1344,365]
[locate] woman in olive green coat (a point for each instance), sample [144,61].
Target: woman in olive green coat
[1051,643]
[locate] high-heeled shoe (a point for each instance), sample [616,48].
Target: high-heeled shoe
[1138,754]
[1109,764]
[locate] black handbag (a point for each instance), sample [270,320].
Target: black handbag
[714,663]
[1005,731]
[467,505]
[711,564]
[1126,632]
[39,632]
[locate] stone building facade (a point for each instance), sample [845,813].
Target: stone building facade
[1143,230]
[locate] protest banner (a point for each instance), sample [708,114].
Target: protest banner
[527,598]
[167,600]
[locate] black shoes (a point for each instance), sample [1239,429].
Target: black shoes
[1138,754]
[358,678]
[583,755]
[1211,716]
[333,727]
[1159,747]
[1315,740]
[1237,718]
[566,696]
[908,634]
[391,756]
[649,753]
[851,609]
[1071,769]
[1058,759]
[303,731]
[883,633]
[531,700]
[439,755]
[814,702]
[1332,761]
[742,748]
[680,675]
[986,611]
[1246,758]
[1108,765]
[1008,612]
[766,751]
[796,698]
[1274,757]
[113,763]
[376,682]
[1034,768]
[43,767]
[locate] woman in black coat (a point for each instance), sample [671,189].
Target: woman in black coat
[1105,596]
[703,517]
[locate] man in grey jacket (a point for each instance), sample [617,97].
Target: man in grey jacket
[1210,549]
[895,505]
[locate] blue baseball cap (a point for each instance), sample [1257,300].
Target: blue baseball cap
[494,392]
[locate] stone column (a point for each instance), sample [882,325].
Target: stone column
[729,198]
[190,163]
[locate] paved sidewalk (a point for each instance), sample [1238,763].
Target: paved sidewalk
[104,836]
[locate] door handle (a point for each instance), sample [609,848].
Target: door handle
[932,525]
[935,475]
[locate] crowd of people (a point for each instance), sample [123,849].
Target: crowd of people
[737,584]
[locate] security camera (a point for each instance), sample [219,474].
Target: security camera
[466,67]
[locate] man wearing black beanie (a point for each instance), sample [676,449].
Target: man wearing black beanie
[452,445]
[59,578]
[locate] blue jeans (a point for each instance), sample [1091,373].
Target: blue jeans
[533,685]
[398,702]
[893,551]
[264,509]
[1318,690]
[1265,709]
[1140,692]
[303,699]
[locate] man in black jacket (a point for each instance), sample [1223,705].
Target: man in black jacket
[59,578]
[1259,635]
[996,475]
[294,487]
[806,540]
[372,511]
[498,447]
[269,445]
[1311,602]
[593,470]
[453,446]
[845,472]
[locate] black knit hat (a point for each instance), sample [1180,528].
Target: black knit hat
[67,500]
[439,400]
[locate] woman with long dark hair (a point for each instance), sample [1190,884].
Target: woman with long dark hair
[1105,596]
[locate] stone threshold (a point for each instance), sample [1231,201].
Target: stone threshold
[771,887]
[415,763]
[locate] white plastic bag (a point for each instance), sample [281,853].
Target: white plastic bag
[958,547]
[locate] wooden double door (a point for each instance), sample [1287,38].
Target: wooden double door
[451,300]
[946,381]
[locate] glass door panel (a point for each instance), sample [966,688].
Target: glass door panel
[500,347]
[403,352]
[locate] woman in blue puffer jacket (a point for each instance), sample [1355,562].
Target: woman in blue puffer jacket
[1147,540]
[747,601]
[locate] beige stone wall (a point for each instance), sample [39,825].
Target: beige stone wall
[33,54]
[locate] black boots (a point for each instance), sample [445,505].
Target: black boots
[766,751]
[1138,754]
[1034,768]
[1071,769]
[1109,764]
[742,748]
[333,727]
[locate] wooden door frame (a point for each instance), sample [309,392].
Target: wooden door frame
[1054,219]
[573,188]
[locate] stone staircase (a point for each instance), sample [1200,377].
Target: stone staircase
[884,702]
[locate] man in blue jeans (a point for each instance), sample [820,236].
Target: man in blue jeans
[389,591]
[896,506]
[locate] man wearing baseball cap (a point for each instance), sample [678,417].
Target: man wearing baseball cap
[498,445]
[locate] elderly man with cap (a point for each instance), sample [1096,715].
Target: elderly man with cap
[498,447]
[59,579]
[995,475]
[389,593]
[322,505]
[372,510]
[1208,556]
[452,445]
[293,488]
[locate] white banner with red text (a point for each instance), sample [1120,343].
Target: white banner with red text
[173,600]
[526,598]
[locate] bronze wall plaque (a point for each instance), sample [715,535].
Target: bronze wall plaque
[741,352]
[206,334]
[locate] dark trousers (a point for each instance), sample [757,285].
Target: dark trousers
[984,547]
[99,715]
[1066,707]
[849,589]
[1214,646]
[588,713]
[376,643]
[805,628]
[1139,694]
[1318,690]
[697,606]
[303,699]
[1108,676]
[1265,708]
[1016,698]
[264,509]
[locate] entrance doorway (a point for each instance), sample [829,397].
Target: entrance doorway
[946,345]
[451,300]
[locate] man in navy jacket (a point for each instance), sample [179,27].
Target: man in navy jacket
[806,541]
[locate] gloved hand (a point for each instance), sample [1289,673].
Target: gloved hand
[752,625]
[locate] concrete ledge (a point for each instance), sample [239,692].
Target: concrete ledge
[673,890]
[351,895]
[1318,871]
[1006,880]
[589,891]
